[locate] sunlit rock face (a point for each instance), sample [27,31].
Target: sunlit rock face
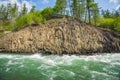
[59,36]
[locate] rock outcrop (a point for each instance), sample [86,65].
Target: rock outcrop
[61,36]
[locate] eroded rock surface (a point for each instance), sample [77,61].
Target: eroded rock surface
[60,36]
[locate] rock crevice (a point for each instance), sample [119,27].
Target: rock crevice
[59,36]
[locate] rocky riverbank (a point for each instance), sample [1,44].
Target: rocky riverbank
[61,36]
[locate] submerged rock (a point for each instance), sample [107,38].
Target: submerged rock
[61,36]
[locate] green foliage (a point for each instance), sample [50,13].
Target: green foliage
[108,14]
[28,19]
[106,23]
[22,22]
[37,17]
[60,7]
[47,13]
[111,20]
[32,9]
[85,10]
[24,10]
[8,12]
[6,25]
[14,11]
[110,23]
[116,24]
[75,7]
[44,21]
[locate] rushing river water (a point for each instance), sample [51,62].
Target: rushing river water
[54,67]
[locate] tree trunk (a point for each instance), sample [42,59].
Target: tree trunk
[88,8]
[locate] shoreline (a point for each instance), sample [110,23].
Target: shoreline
[59,54]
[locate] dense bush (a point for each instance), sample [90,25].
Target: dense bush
[28,19]
[25,20]
[110,23]
[106,23]
[116,24]
[6,25]
[47,13]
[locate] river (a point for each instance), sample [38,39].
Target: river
[54,67]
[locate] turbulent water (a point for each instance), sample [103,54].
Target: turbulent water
[54,67]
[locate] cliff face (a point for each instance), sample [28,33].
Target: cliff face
[60,36]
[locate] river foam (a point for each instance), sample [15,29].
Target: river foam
[54,67]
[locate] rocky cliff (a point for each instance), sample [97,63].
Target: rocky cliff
[60,36]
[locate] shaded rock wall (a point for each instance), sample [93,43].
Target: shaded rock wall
[60,36]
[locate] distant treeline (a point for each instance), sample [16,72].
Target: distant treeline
[11,18]
[89,12]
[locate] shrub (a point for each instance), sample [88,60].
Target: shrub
[116,24]
[47,13]
[28,19]
[37,17]
[106,23]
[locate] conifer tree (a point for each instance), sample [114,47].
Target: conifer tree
[24,10]
[32,9]
[60,7]
[14,11]
[95,12]
[75,7]
[2,12]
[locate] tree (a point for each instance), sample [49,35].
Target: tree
[2,11]
[24,10]
[8,11]
[14,11]
[60,7]
[69,6]
[109,14]
[91,11]
[5,12]
[81,9]
[116,14]
[32,9]
[89,8]
[95,13]
[75,7]
[106,14]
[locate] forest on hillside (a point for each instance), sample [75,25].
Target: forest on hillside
[11,19]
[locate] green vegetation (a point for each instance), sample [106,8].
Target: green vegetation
[106,23]
[60,7]
[28,19]
[85,10]
[89,12]
[11,19]
[47,13]
[116,24]
[110,20]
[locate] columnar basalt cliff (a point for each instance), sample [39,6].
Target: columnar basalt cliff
[61,36]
